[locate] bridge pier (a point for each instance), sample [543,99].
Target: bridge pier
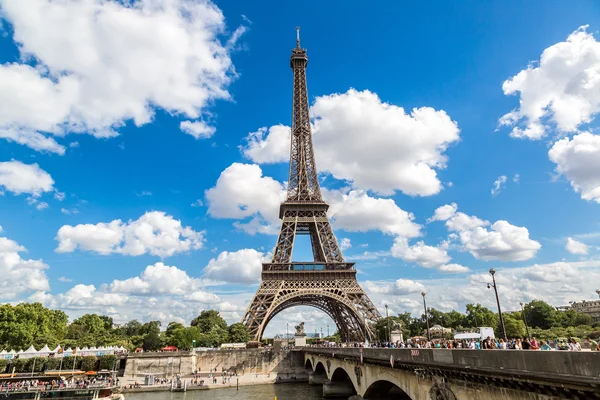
[314,378]
[343,389]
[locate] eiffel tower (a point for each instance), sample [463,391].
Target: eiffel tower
[329,282]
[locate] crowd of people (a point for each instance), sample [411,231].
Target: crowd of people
[26,385]
[489,343]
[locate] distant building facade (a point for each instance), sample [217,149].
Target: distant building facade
[589,307]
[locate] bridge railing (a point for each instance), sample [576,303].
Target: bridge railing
[574,363]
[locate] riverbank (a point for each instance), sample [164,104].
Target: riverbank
[233,382]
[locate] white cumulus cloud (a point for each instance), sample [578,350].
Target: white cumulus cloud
[198,129]
[371,144]
[19,178]
[243,192]
[243,266]
[399,287]
[100,64]
[578,159]
[575,247]
[19,275]
[420,253]
[563,89]
[154,232]
[502,241]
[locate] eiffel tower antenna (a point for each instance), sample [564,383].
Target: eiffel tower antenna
[327,282]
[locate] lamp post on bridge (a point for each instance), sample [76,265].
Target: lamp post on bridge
[493,285]
[525,319]
[387,323]
[426,316]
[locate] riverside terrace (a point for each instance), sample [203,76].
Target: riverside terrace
[436,374]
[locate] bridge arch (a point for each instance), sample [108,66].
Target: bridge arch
[308,365]
[320,368]
[384,389]
[337,306]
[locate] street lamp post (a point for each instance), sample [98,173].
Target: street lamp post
[525,319]
[493,285]
[387,323]
[426,316]
[327,330]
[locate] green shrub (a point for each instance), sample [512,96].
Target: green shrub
[107,361]
[53,363]
[89,363]
[3,365]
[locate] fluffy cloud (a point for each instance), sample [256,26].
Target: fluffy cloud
[268,146]
[420,253]
[575,247]
[345,244]
[18,275]
[399,287]
[156,279]
[374,145]
[19,178]
[242,266]
[453,268]
[356,211]
[198,129]
[499,184]
[502,241]
[110,66]
[243,192]
[564,88]
[578,159]
[154,232]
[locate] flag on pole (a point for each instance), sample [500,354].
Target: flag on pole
[392,360]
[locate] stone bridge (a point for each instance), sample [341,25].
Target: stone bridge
[440,374]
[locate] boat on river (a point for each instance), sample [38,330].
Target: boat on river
[29,387]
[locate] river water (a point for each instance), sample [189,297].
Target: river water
[284,391]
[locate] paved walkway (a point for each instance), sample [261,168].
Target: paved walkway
[242,380]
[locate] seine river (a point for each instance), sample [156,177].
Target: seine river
[290,391]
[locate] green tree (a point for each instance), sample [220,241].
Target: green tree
[410,326]
[384,326]
[478,316]
[208,320]
[27,324]
[515,327]
[173,326]
[133,328]
[238,333]
[541,314]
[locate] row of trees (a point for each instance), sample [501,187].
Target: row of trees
[544,321]
[27,324]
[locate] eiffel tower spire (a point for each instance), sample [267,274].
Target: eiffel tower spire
[328,282]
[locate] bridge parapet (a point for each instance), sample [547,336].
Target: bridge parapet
[577,364]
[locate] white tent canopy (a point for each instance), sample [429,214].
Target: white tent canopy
[30,350]
[45,349]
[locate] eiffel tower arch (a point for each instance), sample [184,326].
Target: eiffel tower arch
[328,282]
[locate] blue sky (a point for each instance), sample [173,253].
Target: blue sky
[95,94]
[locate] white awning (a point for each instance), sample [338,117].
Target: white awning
[31,350]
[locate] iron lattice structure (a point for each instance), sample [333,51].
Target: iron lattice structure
[329,282]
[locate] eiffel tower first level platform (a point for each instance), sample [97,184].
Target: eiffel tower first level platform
[328,282]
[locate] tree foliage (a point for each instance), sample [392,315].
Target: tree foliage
[238,333]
